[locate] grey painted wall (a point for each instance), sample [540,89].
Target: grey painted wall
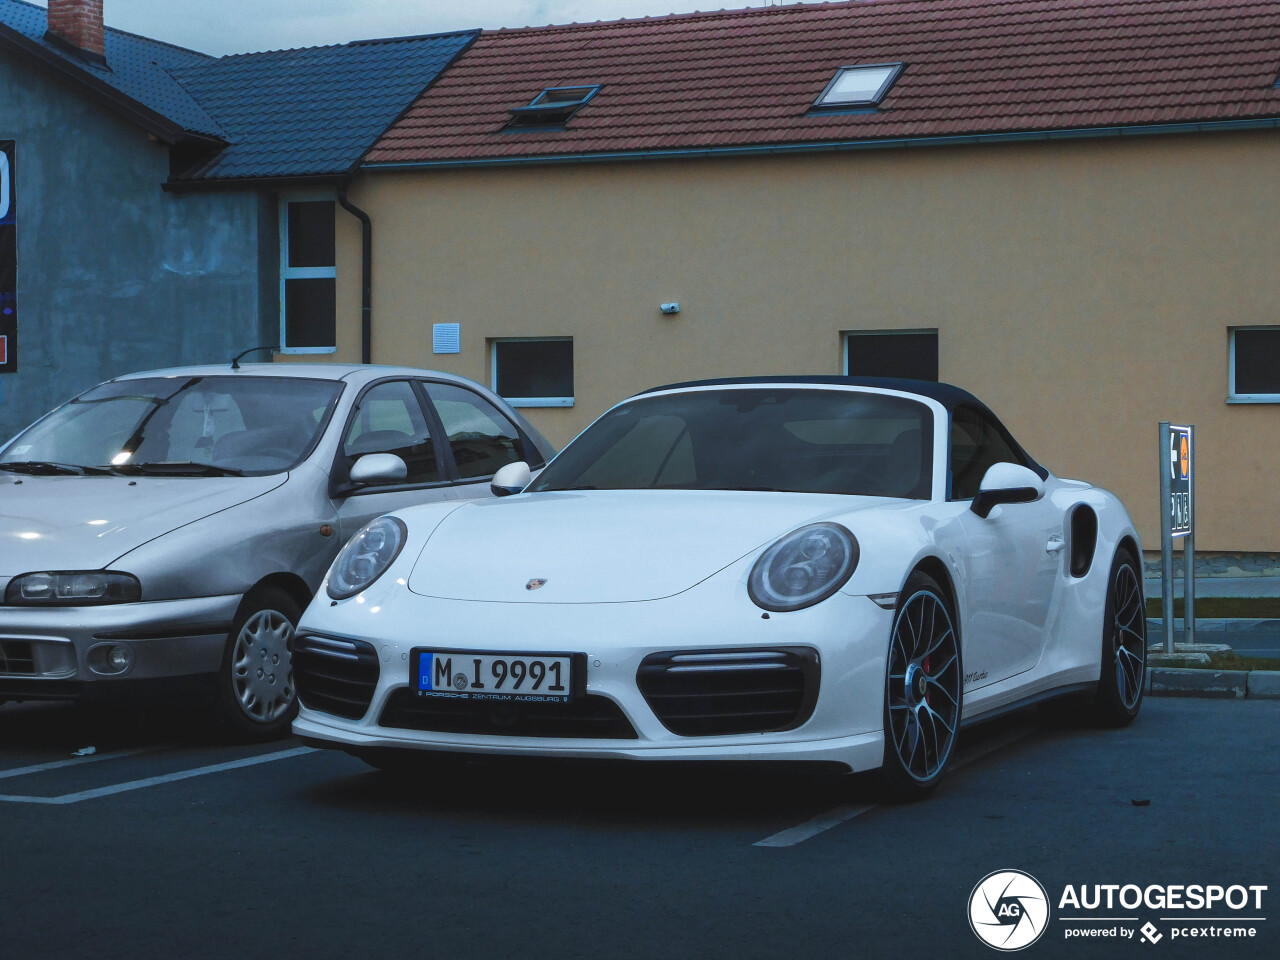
[115,274]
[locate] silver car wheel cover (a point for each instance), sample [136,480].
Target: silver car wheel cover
[262,666]
[923,685]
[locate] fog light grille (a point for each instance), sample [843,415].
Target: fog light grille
[334,675]
[707,693]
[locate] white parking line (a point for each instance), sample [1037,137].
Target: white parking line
[838,815]
[156,781]
[73,762]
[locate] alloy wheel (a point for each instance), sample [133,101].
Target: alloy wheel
[923,685]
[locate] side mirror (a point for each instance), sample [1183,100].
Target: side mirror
[510,479]
[378,468]
[1006,483]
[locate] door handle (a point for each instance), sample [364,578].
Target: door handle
[1054,545]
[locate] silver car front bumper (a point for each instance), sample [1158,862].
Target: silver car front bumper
[59,653]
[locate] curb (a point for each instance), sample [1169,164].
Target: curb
[1213,684]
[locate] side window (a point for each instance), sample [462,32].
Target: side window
[976,444]
[534,372]
[308,276]
[891,353]
[481,438]
[389,419]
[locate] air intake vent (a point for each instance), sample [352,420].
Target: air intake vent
[589,718]
[707,693]
[335,676]
[17,657]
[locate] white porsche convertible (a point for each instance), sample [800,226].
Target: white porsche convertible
[801,569]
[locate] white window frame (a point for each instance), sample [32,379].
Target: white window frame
[302,273]
[524,401]
[1232,396]
[894,69]
[845,335]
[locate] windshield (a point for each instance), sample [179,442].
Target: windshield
[802,440]
[199,426]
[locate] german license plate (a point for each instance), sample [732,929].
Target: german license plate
[529,677]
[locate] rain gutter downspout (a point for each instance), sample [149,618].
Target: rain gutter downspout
[366,274]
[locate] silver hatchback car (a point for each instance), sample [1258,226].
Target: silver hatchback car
[162,532]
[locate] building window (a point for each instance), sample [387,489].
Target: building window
[1254,365]
[858,87]
[534,372]
[308,276]
[552,108]
[892,353]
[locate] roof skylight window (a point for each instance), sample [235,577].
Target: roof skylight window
[552,107]
[859,86]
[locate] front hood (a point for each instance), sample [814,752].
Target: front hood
[85,523]
[605,546]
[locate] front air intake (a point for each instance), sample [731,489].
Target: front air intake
[707,693]
[334,675]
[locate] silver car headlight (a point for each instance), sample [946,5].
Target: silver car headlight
[72,588]
[366,556]
[803,568]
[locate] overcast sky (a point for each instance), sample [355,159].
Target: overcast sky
[243,26]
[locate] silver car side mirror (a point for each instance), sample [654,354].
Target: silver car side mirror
[1006,483]
[379,468]
[510,479]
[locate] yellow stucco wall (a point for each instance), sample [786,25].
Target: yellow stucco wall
[1082,288]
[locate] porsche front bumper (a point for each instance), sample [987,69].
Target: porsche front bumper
[842,722]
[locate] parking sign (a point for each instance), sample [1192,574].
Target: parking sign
[1180,459]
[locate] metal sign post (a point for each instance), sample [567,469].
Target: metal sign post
[1177,514]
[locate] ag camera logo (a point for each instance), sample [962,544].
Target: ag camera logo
[1008,910]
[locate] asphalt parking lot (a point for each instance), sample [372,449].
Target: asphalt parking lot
[164,842]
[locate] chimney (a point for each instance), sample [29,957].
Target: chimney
[78,24]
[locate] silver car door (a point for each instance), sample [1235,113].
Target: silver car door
[388,418]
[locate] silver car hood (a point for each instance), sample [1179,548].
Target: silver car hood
[86,523]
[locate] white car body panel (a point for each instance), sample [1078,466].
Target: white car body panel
[630,573]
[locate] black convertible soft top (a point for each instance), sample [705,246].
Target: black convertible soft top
[949,395]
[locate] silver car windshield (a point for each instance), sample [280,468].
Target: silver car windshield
[789,439]
[179,426]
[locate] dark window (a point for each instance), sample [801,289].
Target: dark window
[1255,363]
[311,234]
[553,108]
[308,277]
[977,442]
[892,354]
[534,372]
[389,419]
[310,312]
[480,437]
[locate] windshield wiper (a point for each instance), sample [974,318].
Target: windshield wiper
[177,468]
[46,468]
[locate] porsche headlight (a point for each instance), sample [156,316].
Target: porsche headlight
[366,557]
[803,568]
[72,588]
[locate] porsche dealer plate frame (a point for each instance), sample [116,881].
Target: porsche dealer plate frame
[501,676]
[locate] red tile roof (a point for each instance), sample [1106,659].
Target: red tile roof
[747,78]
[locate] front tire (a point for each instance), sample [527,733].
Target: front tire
[1124,646]
[255,693]
[922,690]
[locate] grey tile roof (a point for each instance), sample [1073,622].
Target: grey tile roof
[309,112]
[137,66]
[313,111]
